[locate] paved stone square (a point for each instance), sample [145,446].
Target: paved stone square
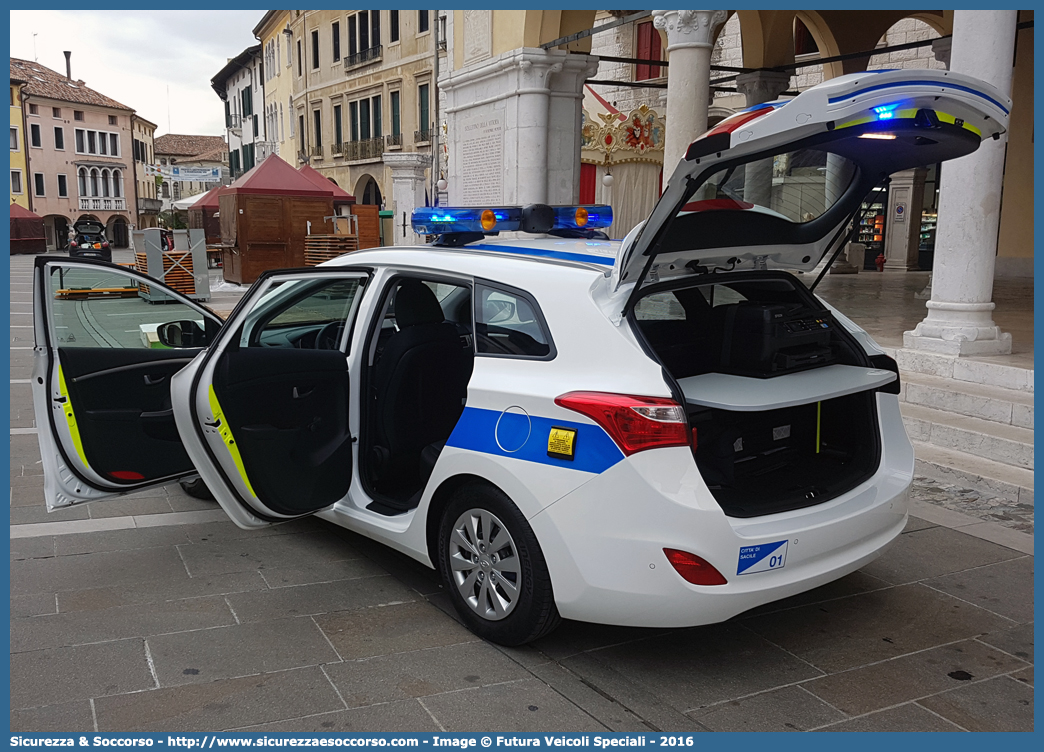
[153,612]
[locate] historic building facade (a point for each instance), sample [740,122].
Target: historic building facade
[188,151]
[349,87]
[78,154]
[19,195]
[239,85]
[276,39]
[142,150]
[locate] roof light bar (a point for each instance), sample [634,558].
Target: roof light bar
[438,220]
[583,217]
[446,220]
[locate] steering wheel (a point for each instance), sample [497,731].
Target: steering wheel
[329,337]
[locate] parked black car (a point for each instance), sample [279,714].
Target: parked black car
[89,240]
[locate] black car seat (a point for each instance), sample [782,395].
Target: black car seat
[422,383]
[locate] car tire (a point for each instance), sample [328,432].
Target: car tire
[197,489]
[506,596]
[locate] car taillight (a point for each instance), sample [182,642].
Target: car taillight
[105,245]
[694,569]
[634,423]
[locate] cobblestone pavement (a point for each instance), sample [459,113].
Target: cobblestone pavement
[153,612]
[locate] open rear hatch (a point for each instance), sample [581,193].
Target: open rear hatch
[776,186]
[781,399]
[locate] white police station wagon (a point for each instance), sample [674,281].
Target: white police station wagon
[665,431]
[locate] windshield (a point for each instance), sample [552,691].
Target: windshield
[797,186]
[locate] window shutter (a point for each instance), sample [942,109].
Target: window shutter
[644,51]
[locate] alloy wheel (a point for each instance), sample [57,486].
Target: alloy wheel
[484,564]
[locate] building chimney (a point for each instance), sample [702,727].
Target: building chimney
[68,64]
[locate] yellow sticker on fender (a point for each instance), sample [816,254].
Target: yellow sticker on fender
[561,443]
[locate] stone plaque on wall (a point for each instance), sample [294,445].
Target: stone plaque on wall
[478,35]
[482,159]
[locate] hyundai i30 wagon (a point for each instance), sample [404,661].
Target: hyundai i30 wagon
[663,431]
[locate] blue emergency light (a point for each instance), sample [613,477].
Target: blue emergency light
[533,218]
[884,112]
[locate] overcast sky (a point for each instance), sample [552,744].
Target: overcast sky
[133,56]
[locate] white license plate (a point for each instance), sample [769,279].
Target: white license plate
[764,557]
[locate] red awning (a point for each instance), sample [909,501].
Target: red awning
[274,176]
[341,196]
[210,200]
[20,212]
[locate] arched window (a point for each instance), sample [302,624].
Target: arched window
[105,183]
[94,182]
[81,179]
[117,183]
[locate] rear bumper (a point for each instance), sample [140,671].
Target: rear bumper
[604,542]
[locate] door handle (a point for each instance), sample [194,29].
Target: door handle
[151,380]
[298,395]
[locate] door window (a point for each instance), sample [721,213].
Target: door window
[302,313]
[508,323]
[99,307]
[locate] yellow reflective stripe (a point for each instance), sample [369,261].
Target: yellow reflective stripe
[908,114]
[226,436]
[70,418]
[857,121]
[948,118]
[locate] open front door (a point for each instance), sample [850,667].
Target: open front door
[265,412]
[101,378]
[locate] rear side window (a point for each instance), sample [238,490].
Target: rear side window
[508,323]
[661,306]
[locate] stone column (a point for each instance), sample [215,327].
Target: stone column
[960,319]
[760,87]
[408,183]
[690,40]
[903,230]
[941,50]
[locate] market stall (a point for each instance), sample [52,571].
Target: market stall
[27,231]
[264,218]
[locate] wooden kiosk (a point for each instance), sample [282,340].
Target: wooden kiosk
[264,218]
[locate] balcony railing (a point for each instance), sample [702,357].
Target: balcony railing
[149,205]
[369,148]
[363,57]
[394,141]
[422,137]
[103,204]
[316,150]
[265,149]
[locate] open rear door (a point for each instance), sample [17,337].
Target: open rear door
[101,378]
[264,414]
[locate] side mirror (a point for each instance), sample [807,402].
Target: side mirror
[499,311]
[181,334]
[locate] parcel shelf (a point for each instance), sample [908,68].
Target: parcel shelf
[747,394]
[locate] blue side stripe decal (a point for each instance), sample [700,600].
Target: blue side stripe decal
[564,255]
[893,84]
[476,430]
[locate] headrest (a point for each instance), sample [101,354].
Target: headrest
[693,303]
[415,303]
